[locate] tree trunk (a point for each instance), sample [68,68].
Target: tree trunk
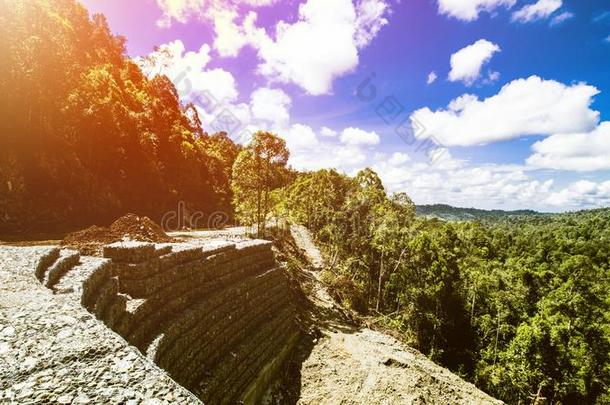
[265,209]
[258,212]
[474,296]
[497,336]
[379,289]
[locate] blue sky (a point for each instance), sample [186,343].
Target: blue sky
[514,118]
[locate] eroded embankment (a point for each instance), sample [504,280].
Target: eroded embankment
[219,318]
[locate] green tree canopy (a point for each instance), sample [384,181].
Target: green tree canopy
[258,170]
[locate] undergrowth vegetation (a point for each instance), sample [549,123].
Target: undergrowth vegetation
[518,305]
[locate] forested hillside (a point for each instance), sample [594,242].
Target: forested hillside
[85,136]
[449,213]
[518,305]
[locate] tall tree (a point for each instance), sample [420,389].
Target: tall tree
[85,136]
[258,170]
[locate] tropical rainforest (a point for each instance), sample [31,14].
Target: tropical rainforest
[517,304]
[85,136]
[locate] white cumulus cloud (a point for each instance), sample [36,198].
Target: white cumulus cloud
[469,10]
[179,10]
[560,18]
[370,18]
[523,107]
[183,10]
[580,195]
[301,136]
[588,151]
[229,37]
[187,70]
[466,63]
[357,136]
[537,11]
[399,158]
[308,152]
[462,184]
[271,105]
[431,78]
[326,131]
[321,45]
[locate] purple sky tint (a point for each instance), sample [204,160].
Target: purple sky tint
[515,99]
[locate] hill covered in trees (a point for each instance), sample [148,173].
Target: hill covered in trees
[518,304]
[450,213]
[85,136]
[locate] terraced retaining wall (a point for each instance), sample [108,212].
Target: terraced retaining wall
[219,318]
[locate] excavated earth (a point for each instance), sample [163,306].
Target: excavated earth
[207,320]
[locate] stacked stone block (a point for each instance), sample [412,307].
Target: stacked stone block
[219,317]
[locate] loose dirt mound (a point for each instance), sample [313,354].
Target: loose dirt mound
[139,228]
[90,241]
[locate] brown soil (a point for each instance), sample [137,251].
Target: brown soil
[140,228]
[90,241]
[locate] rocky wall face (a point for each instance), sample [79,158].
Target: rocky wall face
[218,318]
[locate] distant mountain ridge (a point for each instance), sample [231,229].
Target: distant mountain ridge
[450,213]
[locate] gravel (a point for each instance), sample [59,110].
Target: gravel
[53,351]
